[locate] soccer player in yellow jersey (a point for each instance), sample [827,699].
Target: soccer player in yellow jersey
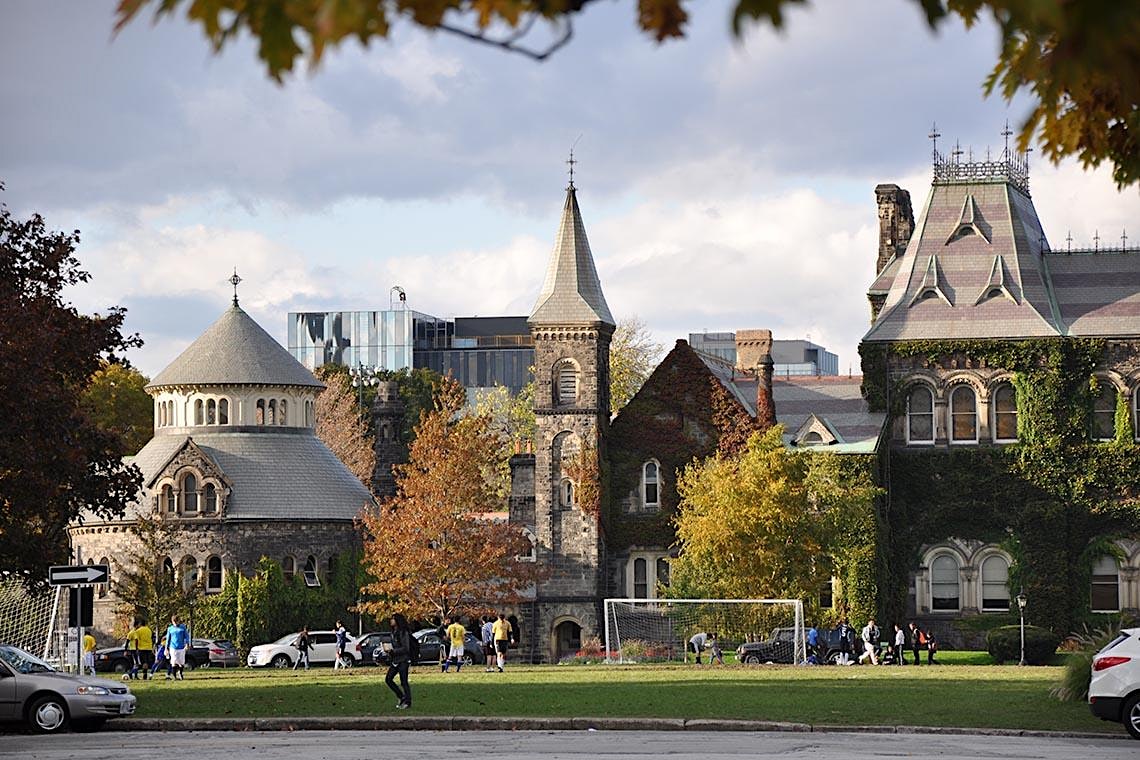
[455,634]
[503,632]
[145,638]
[88,654]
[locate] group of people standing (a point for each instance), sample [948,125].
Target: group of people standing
[148,654]
[871,643]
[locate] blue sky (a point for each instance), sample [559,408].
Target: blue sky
[724,184]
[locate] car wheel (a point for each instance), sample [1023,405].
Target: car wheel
[348,660]
[120,666]
[281,661]
[751,659]
[833,658]
[468,658]
[47,714]
[1130,716]
[190,665]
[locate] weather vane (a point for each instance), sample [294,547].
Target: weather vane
[571,163]
[234,280]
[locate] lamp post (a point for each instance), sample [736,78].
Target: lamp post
[1021,608]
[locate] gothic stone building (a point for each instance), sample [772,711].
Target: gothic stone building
[236,463]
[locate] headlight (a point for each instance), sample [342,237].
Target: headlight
[95,691]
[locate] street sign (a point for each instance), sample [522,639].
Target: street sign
[62,575]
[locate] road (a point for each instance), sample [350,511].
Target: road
[549,745]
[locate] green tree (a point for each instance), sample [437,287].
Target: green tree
[760,523]
[511,417]
[633,355]
[1080,61]
[55,461]
[433,549]
[148,588]
[117,402]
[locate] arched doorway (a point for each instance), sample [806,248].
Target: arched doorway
[567,639]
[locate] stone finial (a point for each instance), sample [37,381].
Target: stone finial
[751,347]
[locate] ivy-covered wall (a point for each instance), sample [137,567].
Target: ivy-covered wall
[1051,500]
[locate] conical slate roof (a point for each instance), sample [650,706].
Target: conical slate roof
[235,350]
[571,292]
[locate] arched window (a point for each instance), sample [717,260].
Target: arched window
[812,439]
[640,582]
[281,412]
[199,416]
[1105,593]
[650,496]
[189,573]
[168,500]
[566,377]
[310,573]
[308,414]
[189,494]
[211,412]
[162,414]
[1005,414]
[662,571]
[272,418]
[214,574]
[566,493]
[104,587]
[963,415]
[224,412]
[920,415]
[995,584]
[944,594]
[260,417]
[210,504]
[532,547]
[168,569]
[1104,411]
[288,567]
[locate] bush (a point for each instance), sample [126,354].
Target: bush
[1083,645]
[1004,644]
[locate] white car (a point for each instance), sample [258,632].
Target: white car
[283,652]
[1114,691]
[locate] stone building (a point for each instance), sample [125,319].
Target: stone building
[236,463]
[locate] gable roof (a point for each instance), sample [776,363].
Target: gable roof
[235,350]
[571,292]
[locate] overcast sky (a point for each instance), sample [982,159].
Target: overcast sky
[723,184]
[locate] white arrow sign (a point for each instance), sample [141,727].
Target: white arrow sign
[62,575]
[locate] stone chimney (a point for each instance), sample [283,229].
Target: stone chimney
[751,346]
[896,222]
[765,404]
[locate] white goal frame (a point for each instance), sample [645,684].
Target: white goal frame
[799,656]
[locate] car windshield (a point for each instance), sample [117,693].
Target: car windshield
[286,638]
[22,662]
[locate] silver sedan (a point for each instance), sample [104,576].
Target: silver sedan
[34,692]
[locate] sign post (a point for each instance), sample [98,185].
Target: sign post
[81,607]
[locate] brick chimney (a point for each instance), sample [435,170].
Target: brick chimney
[765,404]
[754,357]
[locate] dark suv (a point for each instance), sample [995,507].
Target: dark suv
[780,648]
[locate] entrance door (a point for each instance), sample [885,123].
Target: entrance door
[567,639]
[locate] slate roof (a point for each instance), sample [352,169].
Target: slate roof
[286,474]
[571,292]
[978,266]
[836,401]
[235,350]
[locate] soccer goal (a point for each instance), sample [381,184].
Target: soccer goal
[658,630]
[27,617]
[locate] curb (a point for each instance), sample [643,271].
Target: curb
[468,723]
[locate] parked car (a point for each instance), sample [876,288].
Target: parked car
[779,648]
[48,700]
[283,652]
[118,659]
[223,653]
[367,645]
[429,647]
[1114,690]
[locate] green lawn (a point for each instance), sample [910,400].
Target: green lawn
[979,696]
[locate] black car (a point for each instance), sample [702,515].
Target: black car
[119,660]
[430,643]
[780,648]
[369,646]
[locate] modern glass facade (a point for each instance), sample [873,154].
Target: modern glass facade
[791,357]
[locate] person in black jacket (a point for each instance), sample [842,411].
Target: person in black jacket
[400,658]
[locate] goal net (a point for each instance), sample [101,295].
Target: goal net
[27,617]
[659,630]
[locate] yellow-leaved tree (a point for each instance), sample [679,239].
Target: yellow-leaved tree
[768,522]
[442,544]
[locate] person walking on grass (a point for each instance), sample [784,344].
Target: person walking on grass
[870,643]
[341,645]
[504,635]
[399,659]
[456,635]
[487,638]
[917,641]
[88,654]
[177,639]
[846,635]
[304,644]
[899,645]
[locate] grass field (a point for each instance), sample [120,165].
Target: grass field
[982,696]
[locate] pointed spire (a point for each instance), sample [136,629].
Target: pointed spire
[571,293]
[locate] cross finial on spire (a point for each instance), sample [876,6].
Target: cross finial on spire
[234,280]
[1123,239]
[1069,242]
[1006,133]
[1096,241]
[957,152]
[934,135]
[570,162]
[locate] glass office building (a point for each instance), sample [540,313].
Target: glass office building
[791,357]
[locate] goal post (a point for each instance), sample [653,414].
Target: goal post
[658,630]
[28,616]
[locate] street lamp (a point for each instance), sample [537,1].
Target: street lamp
[1021,608]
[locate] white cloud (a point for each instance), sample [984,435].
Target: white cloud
[422,72]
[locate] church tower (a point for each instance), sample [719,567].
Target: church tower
[572,327]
